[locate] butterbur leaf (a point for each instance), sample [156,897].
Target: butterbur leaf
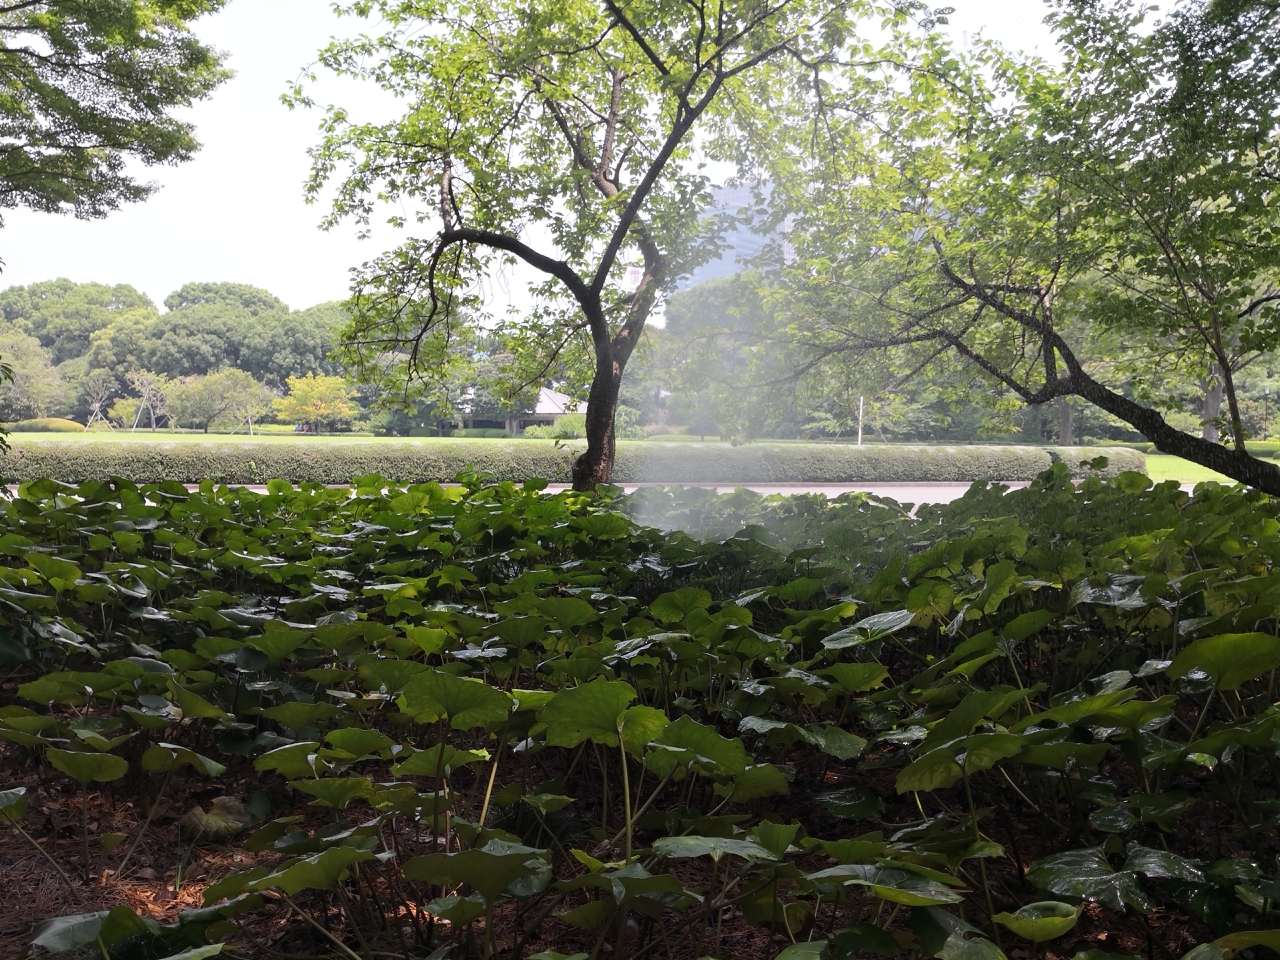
[961,948]
[337,792]
[568,612]
[754,783]
[1235,942]
[640,725]
[465,703]
[1086,873]
[163,757]
[857,677]
[489,870]
[292,761]
[1230,658]
[849,942]
[226,818]
[590,711]
[84,929]
[1042,921]
[1162,864]
[776,837]
[713,847]
[678,604]
[297,716]
[438,759]
[13,803]
[804,950]
[458,910]
[198,953]
[318,872]
[87,767]
[850,803]
[900,886]
[360,742]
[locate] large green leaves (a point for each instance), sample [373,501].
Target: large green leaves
[592,711]
[489,870]
[1231,659]
[464,703]
[85,768]
[1041,921]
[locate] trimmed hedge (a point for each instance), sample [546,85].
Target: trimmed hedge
[249,462]
[46,425]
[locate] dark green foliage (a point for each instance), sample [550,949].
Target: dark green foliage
[897,735]
[256,462]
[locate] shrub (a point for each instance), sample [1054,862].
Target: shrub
[481,433]
[150,461]
[46,425]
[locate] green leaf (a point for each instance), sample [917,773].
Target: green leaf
[198,953]
[297,715]
[360,742]
[640,725]
[337,792]
[678,604]
[568,612]
[899,886]
[439,758]
[804,950]
[689,745]
[87,767]
[489,870]
[755,783]
[857,677]
[958,947]
[1230,658]
[1041,921]
[193,705]
[292,761]
[591,711]
[163,757]
[85,929]
[321,871]
[713,847]
[465,703]
[1235,942]
[13,803]
[1086,873]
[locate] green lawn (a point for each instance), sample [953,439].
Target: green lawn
[164,436]
[1161,467]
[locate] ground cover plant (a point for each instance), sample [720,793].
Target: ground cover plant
[481,721]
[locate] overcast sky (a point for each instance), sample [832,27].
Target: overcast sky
[236,212]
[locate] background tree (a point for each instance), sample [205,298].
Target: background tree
[151,389]
[250,401]
[1009,213]
[36,388]
[560,135]
[64,315]
[90,87]
[317,401]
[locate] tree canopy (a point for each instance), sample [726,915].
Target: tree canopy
[564,136]
[89,89]
[1016,215]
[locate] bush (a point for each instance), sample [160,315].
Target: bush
[46,425]
[481,433]
[152,461]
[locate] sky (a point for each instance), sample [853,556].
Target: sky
[236,212]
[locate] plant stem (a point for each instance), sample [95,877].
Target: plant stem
[84,822]
[146,823]
[626,796]
[307,917]
[45,853]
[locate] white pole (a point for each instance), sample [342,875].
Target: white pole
[860,421]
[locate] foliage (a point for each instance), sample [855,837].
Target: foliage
[584,121]
[1047,714]
[1028,223]
[46,425]
[228,461]
[318,401]
[89,88]
[36,388]
[227,397]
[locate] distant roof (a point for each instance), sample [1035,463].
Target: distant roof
[551,402]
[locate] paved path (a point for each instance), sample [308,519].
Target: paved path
[901,492]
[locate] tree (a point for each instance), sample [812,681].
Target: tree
[228,396]
[282,345]
[35,388]
[151,389]
[252,300]
[96,388]
[563,136]
[1014,215]
[89,88]
[317,401]
[64,316]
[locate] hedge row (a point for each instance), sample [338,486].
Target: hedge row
[249,462]
[1267,449]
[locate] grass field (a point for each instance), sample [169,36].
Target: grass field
[1161,467]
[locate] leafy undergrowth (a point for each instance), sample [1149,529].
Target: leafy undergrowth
[483,721]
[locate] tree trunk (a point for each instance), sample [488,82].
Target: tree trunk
[1212,408]
[1066,422]
[595,464]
